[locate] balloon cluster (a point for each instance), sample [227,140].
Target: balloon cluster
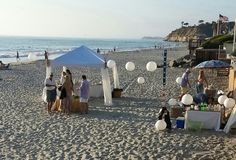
[150,66]
[227,102]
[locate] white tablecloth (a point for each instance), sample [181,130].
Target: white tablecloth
[211,120]
[95,91]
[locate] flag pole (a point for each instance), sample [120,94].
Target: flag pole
[217,28]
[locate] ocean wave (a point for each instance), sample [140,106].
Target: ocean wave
[26,45]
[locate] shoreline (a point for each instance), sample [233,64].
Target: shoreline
[53,55]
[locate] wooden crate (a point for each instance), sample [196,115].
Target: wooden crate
[176,112]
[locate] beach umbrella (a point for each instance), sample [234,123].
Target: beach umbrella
[212,64]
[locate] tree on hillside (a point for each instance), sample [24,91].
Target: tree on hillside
[182,23]
[200,21]
[186,24]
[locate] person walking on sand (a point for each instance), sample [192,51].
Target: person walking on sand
[17,56]
[200,82]
[51,93]
[84,94]
[185,83]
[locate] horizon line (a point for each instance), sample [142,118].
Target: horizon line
[72,37]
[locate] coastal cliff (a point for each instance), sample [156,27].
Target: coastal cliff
[183,34]
[203,30]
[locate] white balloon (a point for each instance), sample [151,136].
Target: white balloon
[229,103]
[151,66]
[187,99]
[172,102]
[179,80]
[32,57]
[111,63]
[222,98]
[160,125]
[130,66]
[140,80]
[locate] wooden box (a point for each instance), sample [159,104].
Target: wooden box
[210,92]
[176,112]
[116,93]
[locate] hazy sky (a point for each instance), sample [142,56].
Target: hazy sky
[106,18]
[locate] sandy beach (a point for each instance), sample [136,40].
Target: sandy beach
[122,131]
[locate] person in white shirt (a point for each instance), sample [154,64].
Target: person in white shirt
[51,91]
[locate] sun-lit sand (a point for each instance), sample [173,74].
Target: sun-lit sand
[122,131]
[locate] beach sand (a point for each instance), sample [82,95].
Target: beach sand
[122,131]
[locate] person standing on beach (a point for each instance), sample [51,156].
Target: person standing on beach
[185,83]
[98,50]
[84,94]
[46,58]
[17,56]
[67,85]
[200,82]
[51,93]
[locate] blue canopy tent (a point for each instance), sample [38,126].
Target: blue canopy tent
[83,56]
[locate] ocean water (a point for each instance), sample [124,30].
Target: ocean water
[57,46]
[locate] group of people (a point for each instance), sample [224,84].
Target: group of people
[200,82]
[66,90]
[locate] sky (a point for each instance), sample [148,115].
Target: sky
[130,19]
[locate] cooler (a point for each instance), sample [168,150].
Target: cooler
[180,122]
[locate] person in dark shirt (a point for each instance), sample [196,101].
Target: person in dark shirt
[164,113]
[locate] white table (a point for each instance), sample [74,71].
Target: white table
[210,120]
[95,91]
